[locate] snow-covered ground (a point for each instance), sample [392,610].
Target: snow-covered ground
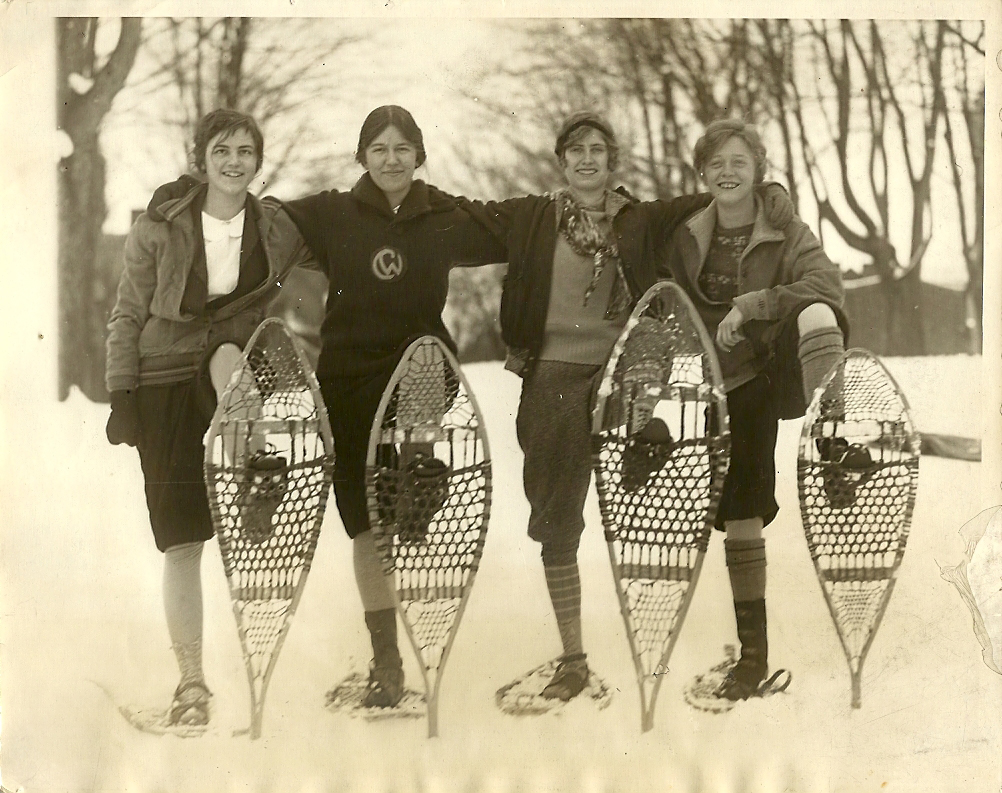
[81,591]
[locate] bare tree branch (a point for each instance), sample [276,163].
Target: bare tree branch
[974,45]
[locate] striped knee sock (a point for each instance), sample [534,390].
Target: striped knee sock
[746,567]
[819,350]
[564,586]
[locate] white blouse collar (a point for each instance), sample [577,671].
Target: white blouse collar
[214,229]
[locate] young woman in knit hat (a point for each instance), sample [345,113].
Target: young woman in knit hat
[579,260]
[771,299]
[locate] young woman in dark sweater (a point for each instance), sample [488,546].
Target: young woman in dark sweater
[387,247]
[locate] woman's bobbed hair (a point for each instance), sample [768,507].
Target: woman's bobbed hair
[225,122]
[721,131]
[389,116]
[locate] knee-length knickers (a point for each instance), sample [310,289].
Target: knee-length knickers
[554,431]
[174,419]
[351,405]
[750,484]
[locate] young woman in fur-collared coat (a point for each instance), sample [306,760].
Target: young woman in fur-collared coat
[387,247]
[199,274]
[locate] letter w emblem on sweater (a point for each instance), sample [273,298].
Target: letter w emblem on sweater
[388,264]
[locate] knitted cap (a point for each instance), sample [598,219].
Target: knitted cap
[583,118]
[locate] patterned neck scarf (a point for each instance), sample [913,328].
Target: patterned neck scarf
[587,238]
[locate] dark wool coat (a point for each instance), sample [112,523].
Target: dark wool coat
[528,228]
[388,273]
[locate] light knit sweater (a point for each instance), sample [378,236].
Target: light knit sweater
[577,332]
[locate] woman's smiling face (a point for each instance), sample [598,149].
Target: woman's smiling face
[586,163]
[730,173]
[231,162]
[391,160]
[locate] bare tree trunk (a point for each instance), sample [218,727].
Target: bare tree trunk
[236,33]
[974,253]
[81,193]
[843,52]
[905,327]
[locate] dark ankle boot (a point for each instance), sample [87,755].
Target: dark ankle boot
[569,678]
[386,674]
[753,666]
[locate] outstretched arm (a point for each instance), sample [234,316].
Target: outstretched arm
[495,217]
[482,238]
[667,216]
[313,217]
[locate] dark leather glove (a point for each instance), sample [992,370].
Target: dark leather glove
[172,190]
[123,423]
[778,206]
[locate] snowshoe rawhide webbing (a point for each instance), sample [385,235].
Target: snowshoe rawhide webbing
[269,461]
[428,483]
[660,446]
[857,474]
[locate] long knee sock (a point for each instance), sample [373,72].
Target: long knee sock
[819,350]
[746,568]
[374,586]
[182,591]
[564,585]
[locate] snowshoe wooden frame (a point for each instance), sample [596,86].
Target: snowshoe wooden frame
[470,473]
[310,467]
[676,560]
[897,443]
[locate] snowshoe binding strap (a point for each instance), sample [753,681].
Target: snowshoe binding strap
[190,707]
